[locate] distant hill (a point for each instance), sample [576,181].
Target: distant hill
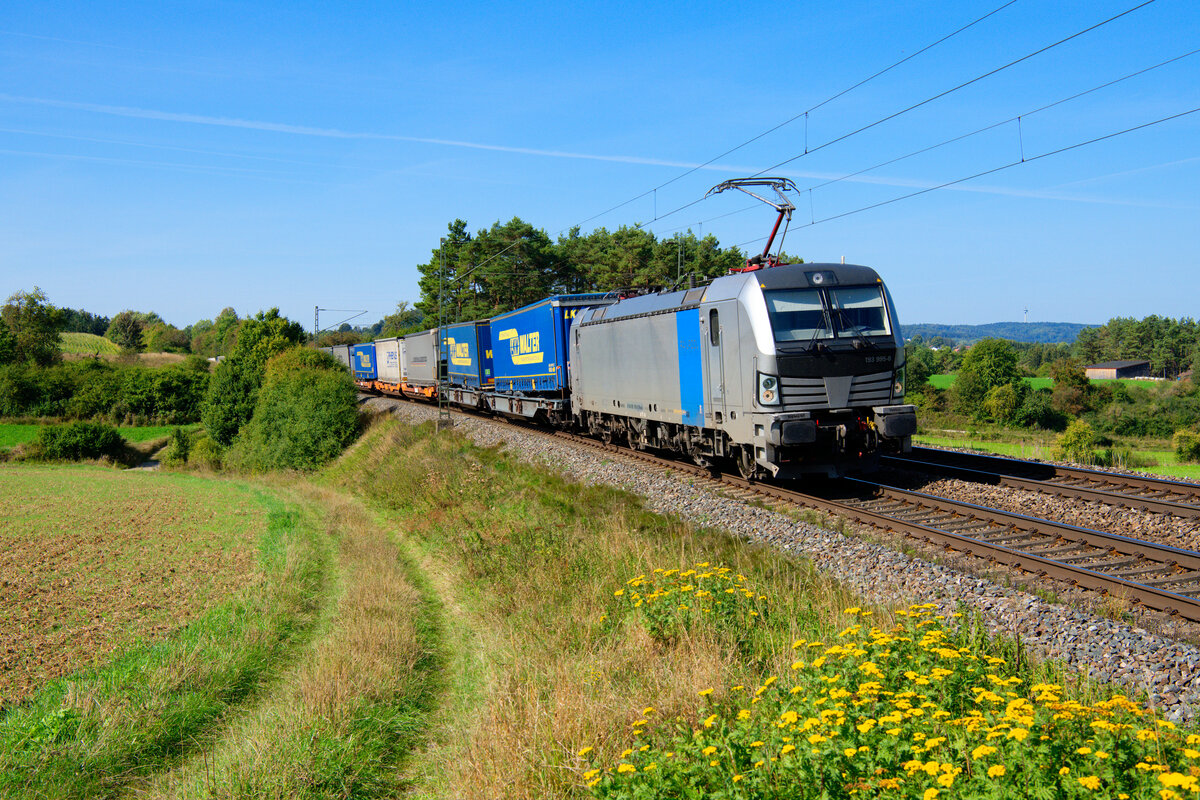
[1046,332]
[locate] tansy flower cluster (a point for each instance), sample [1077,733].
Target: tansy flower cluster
[671,601]
[907,712]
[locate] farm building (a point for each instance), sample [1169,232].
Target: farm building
[1119,369]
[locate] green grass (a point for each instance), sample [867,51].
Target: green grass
[946,380]
[87,344]
[1042,446]
[100,731]
[13,434]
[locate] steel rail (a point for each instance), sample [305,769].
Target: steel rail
[1173,497]
[1155,563]
[1049,487]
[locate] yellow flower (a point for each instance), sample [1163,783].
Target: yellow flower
[1064,771]
[647,711]
[817,738]
[713,763]
[946,779]
[708,751]
[627,753]
[737,778]
[585,751]
[849,752]
[1083,751]
[981,751]
[866,725]
[626,768]
[787,748]
[744,714]
[996,770]
[1018,733]
[708,723]
[1089,782]
[756,744]
[930,794]
[705,692]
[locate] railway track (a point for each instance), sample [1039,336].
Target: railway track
[1156,576]
[1123,491]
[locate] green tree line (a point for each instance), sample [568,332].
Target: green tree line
[496,269]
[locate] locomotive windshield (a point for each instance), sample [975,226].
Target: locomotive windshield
[803,315]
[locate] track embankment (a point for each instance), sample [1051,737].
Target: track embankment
[1108,639]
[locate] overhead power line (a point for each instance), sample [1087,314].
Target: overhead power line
[961,137]
[993,170]
[894,115]
[804,113]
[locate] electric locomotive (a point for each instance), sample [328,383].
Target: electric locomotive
[785,369]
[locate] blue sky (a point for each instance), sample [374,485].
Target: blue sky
[183,157]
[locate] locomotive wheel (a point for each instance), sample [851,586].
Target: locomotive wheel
[745,463]
[606,435]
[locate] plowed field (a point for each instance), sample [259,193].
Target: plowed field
[94,558]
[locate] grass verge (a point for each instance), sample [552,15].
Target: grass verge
[342,722]
[591,641]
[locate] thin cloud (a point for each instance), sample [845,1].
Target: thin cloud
[334,133]
[327,133]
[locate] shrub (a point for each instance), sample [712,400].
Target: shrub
[306,412]
[178,447]
[1187,445]
[78,440]
[205,453]
[1076,443]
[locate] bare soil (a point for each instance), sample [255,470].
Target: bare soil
[93,559]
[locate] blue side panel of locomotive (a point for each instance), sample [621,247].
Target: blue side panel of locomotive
[691,371]
[362,360]
[468,354]
[529,345]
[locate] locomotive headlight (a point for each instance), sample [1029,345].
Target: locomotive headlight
[768,390]
[898,387]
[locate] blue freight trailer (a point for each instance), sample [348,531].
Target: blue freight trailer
[529,345]
[362,361]
[468,352]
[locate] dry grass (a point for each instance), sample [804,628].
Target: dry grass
[371,662]
[544,661]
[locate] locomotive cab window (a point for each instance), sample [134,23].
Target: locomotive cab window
[859,311]
[803,315]
[797,315]
[714,328]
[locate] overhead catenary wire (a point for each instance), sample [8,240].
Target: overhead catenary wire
[993,170]
[927,101]
[792,119]
[961,137]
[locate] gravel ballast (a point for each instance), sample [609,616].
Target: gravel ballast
[1131,658]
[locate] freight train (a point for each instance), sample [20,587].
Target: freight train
[782,369]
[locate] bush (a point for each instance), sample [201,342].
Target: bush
[1187,445]
[178,447]
[306,412]
[1076,443]
[205,453]
[78,440]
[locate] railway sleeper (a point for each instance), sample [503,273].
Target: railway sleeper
[1185,577]
[1105,566]
[1146,570]
[1014,538]
[1067,551]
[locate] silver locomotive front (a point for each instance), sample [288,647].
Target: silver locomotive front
[804,369]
